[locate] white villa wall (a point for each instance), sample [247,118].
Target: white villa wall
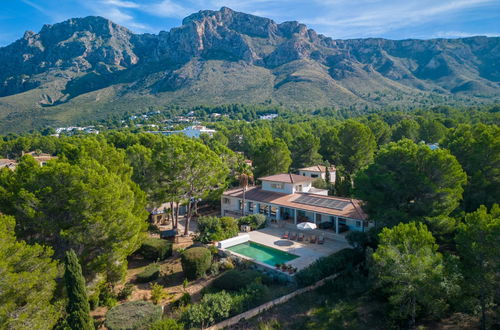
[318,175]
[287,187]
[233,241]
[312,174]
[233,204]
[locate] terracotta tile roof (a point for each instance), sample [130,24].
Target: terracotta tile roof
[5,162]
[353,209]
[317,168]
[287,178]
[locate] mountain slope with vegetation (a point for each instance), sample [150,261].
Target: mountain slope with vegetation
[91,67]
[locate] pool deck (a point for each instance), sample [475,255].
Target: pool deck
[307,252]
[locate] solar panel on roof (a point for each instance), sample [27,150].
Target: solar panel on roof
[322,202]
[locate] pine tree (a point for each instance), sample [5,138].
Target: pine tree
[78,308]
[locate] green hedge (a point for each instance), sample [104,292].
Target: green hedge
[150,273]
[327,266]
[235,280]
[155,249]
[255,221]
[134,315]
[167,324]
[212,308]
[195,262]
[216,229]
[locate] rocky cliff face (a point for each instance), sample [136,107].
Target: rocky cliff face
[249,58]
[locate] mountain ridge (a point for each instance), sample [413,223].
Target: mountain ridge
[91,67]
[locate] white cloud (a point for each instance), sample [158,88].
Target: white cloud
[122,4]
[167,8]
[461,34]
[377,17]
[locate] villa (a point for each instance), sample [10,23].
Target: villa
[319,171]
[291,199]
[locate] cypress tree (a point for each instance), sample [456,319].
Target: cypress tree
[78,308]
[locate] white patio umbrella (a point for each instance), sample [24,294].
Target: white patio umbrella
[306,226]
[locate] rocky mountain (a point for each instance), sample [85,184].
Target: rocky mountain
[90,67]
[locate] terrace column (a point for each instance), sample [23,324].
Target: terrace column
[295,216]
[268,210]
[314,217]
[336,225]
[278,215]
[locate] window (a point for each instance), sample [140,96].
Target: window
[240,204]
[250,207]
[298,188]
[263,209]
[226,200]
[274,209]
[314,175]
[277,185]
[358,224]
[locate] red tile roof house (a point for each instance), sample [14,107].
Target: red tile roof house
[291,199]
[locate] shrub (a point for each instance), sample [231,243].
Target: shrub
[134,315]
[255,221]
[167,324]
[150,273]
[126,291]
[195,262]
[226,264]
[212,308]
[255,294]
[216,229]
[155,249]
[320,183]
[157,293]
[327,266]
[235,280]
[107,296]
[184,300]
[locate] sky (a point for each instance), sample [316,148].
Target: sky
[339,19]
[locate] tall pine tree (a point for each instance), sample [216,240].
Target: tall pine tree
[78,308]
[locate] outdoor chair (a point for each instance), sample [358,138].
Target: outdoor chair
[321,239]
[286,234]
[293,236]
[300,237]
[312,239]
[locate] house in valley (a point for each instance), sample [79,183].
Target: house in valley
[291,199]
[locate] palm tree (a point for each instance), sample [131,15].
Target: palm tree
[244,176]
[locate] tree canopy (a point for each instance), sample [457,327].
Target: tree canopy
[478,239]
[477,148]
[409,181]
[410,270]
[82,206]
[27,282]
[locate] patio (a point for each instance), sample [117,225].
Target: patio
[307,252]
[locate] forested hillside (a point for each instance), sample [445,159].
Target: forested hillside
[432,257]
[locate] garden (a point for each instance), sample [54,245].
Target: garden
[187,284]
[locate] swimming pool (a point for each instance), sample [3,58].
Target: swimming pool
[262,253]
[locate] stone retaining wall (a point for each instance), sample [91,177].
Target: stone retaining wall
[270,304]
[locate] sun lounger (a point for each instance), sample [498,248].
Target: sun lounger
[286,234]
[293,236]
[300,237]
[312,239]
[321,239]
